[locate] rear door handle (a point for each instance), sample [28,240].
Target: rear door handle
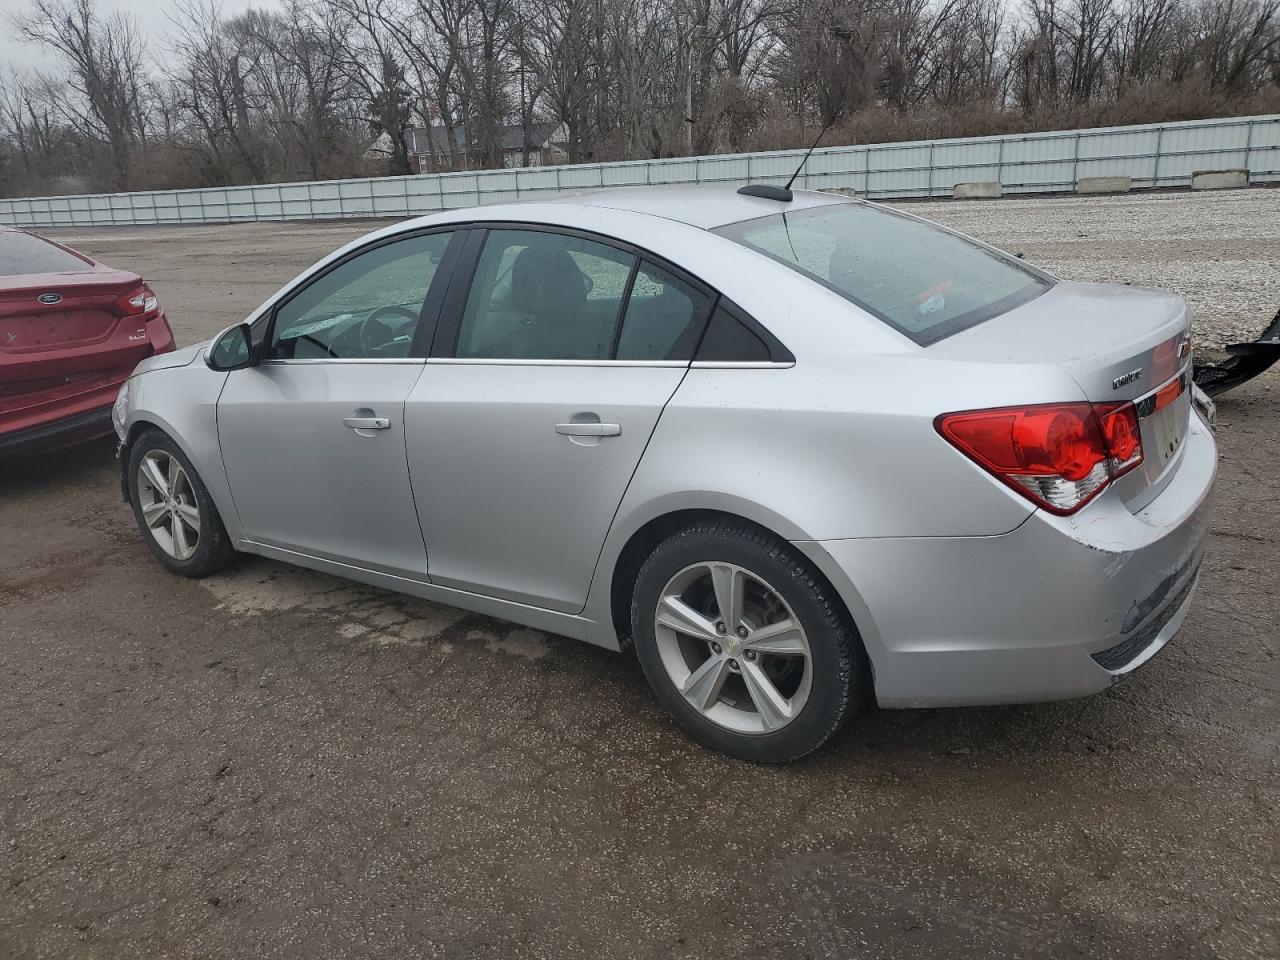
[589,429]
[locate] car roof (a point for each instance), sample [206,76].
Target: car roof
[703,206]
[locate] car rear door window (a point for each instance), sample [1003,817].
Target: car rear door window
[663,319]
[923,281]
[366,308]
[539,295]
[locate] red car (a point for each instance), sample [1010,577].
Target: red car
[71,331]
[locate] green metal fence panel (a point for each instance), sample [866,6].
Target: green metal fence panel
[1153,155]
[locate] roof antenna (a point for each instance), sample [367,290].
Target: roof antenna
[767,191]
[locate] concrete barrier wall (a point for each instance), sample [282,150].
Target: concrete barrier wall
[981,190]
[1150,155]
[1104,185]
[1219,179]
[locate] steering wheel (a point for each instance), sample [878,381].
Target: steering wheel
[365,332]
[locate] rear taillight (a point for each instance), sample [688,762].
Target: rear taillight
[1058,455]
[141,302]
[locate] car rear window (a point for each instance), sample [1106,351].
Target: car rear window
[923,281]
[22,253]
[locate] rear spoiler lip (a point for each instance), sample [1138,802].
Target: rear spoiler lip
[1245,362]
[93,280]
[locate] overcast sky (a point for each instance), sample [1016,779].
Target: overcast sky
[152,16]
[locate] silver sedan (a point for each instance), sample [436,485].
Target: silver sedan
[800,452]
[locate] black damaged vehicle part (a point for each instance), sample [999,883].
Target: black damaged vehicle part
[1245,362]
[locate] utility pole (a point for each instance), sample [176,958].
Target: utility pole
[688,103]
[688,95]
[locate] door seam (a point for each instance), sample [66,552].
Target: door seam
[639,460]
[413,495]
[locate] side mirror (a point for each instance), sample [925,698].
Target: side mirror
[231,349]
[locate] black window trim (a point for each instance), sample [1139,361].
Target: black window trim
[448,328]
[428,318]
[623,306]
[779,355]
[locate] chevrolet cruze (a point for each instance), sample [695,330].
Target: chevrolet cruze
[798,450]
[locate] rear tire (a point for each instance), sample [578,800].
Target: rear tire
[771,679]
[173,508]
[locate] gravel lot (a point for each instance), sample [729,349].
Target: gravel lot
[276,763]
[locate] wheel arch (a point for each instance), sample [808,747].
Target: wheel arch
[137,428]
[208,466]
[646,536]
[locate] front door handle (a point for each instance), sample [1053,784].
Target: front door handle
[364,423]
[589,429]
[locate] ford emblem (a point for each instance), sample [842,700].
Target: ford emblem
[50,298]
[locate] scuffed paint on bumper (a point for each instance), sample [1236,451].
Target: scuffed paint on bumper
[1027,615]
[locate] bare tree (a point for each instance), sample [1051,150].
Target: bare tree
[836,48]
[40,145]
[371,60]
[644,119]
[308,98]
[1142,41]
[561,42]
[1239,39]
[303,91]
[212,63]
[105,57]
[433,36]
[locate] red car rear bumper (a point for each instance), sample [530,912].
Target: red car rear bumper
[63,432]
[62,414]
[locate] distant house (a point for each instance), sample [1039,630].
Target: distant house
[548,144]
[381,148]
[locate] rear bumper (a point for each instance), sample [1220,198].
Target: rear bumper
[63,432]
[1061,607]
[78,410]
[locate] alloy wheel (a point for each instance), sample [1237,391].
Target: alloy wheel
[168,504]
[733,647]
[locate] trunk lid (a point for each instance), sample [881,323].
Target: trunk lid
[1117,343]
[81,336]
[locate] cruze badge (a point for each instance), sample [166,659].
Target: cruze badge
[1124,378]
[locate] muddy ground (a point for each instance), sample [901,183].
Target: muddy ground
[275,763]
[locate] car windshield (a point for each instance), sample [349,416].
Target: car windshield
[922,280]
[22,253]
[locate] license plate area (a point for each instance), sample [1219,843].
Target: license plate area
[1168,430]
[1163,416]
[1163,423]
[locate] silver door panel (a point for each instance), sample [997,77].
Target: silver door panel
[519,469]
[315,456]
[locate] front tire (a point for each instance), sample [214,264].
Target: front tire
[173,508]
[745,643]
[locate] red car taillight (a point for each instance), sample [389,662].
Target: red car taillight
[141,302]
[1058,455]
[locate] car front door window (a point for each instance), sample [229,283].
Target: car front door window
[366,308]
